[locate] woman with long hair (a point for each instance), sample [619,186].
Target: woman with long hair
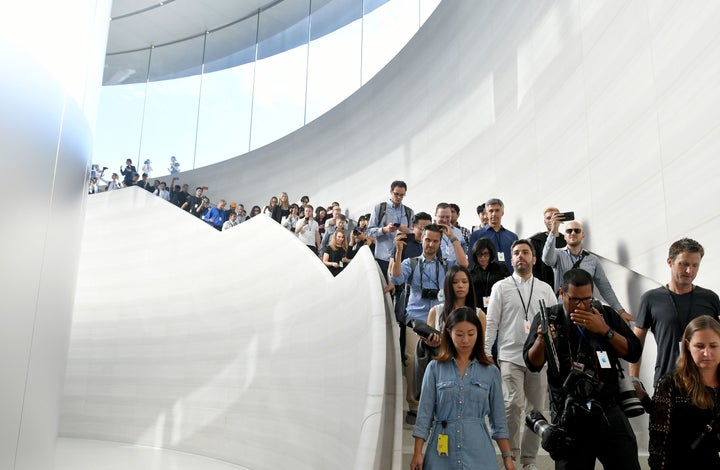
[459,292]
[334,257]
[268,210]
[685,415]
[282,208]
[460,389]
[320,214]
[485,271]
[254,211]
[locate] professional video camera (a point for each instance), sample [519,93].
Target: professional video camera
[580,415]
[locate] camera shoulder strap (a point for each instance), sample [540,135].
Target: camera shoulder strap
[583,254]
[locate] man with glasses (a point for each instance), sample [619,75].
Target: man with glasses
[573,256]
[386,220]
[588,338]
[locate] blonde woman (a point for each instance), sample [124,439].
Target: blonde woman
[282,208]
[334,257]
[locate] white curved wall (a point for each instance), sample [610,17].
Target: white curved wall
[51,54]
[605,108]
[609,109]
[237,345]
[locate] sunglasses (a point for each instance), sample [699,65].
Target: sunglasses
[571,230]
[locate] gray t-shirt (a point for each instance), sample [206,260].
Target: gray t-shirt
[667,314]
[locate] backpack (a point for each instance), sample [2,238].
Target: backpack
[383,210]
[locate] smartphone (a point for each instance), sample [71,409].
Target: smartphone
[409,237]
[396,224]
[568,216]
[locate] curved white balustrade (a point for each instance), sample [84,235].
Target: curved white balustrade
[238,345]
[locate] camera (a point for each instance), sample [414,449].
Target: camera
[627,397]
[554,439]
[356,232]
[579,416]
[422,329]
[431,294]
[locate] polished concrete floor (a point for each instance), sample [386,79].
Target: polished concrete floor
[85,454]
[544,462]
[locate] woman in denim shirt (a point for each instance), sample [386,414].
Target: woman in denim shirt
[459,389]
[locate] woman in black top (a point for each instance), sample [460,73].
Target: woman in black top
[485,272]
[685,415]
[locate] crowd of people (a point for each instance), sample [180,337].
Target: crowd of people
[493,325]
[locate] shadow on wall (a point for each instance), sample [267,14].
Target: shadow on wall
[237,345]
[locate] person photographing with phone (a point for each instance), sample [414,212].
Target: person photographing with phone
[573,257]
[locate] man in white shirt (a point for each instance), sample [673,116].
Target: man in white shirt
[514,302]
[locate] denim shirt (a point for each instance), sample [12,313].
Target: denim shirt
[461,404]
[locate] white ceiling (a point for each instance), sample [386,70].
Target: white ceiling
[140,24]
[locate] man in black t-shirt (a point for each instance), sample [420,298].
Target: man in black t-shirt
[194,203]
[667,310]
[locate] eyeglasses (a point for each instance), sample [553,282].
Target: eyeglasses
[484,254]
[576,300]
[571,230]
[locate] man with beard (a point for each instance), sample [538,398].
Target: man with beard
[667,310]
[514,301]
[573,257]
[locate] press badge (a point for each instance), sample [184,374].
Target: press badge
[486,302]
[443,446]
[603,359]
[527,326]
[501,256]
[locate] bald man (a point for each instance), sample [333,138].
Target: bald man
[573,256]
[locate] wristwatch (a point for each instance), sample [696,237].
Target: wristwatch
[609,335]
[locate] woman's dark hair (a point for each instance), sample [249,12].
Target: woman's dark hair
[447,348]
[480,245]
[450,292]
[686,374]
[252,211]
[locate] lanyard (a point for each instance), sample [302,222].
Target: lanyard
[532,286]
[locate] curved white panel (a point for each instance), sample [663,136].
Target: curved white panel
[239,345]
[50,79]
[605,108]
[609,109]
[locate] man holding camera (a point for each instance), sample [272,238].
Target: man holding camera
[587,339]
[425,276]
[573,256]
